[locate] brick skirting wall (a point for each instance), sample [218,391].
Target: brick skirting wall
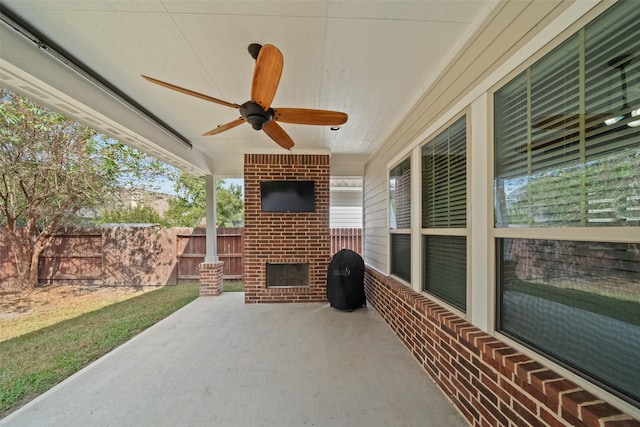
[286,237]
[490,383]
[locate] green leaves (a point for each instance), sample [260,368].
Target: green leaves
[188,207]
[131,215]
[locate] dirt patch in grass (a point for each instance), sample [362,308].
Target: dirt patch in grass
[23,311]
[16,301]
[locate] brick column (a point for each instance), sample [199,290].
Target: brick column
[286,237]
[210,278]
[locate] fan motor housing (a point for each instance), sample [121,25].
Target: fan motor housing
[256,115]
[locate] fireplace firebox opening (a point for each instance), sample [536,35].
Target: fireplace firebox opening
[289,275]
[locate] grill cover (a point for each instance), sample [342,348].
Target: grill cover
[345,281]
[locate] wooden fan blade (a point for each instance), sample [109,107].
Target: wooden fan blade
[266,75]
[572,121]
[275,131]
[226,126]
[304,116]
[190,92]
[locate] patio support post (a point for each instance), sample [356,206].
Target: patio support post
[211,236]
[211,271]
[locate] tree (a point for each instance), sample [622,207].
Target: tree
[131,215]
[602,191]
[188,207]
[51,168]
[229,205]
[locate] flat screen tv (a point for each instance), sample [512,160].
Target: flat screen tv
[288,196]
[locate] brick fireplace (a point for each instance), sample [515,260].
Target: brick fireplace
[293,246]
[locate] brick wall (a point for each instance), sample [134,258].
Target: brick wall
[491,383]
[300,237]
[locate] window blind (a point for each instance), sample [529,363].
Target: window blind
[401,256]
[400,195]
[445,265]
[567,131]
[444,178]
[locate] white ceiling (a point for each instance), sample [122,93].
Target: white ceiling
[370,59]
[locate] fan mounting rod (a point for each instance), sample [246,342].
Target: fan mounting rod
[253,113]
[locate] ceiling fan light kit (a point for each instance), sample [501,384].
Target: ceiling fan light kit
[634,113]
[257,111]
[635,123]
[621,62]
[613,120]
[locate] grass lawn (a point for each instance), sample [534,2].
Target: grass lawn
[22,312]
[623,310]
[33,362]
[233,286]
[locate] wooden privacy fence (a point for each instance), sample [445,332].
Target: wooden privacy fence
[349,238]
[142,256]
[191,252]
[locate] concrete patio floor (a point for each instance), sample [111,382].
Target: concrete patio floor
[219,362]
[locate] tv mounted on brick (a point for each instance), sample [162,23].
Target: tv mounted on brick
[287,196]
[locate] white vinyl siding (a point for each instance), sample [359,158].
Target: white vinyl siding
[345,217]
[376,220]
[346,208]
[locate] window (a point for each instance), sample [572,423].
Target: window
[445,268]
[577,302]
[400,219]
[444,214]
[567,132]
[401,256]
[567,164]
[400,196]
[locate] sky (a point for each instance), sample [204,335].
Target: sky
[165,185]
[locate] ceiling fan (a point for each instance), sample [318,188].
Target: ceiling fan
[258,111]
